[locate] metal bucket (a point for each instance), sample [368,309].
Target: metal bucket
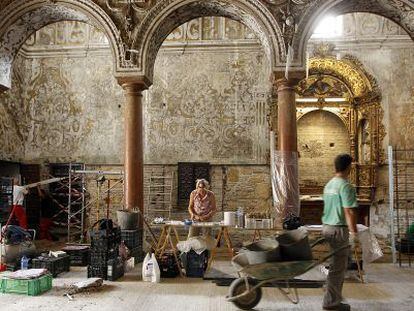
[294,245]
[262,251]
[127,220]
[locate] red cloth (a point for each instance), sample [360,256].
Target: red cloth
[45,224]
[20,214]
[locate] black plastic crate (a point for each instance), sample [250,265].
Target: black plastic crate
[79,254]
[101,258]
[168,265]
[115,269]
[138,254]
[132,238]
[98,272]
[194,264]
[405,246]
[54,265]
[105,239]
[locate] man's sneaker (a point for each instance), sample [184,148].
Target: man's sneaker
[340,307]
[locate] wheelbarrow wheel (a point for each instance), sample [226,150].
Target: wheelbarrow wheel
[248,301]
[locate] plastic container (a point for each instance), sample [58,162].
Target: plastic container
[132,238]
[127,220]
[24,263]
[138,254]
[168,265]
[100,258]
[32,287]
[156,273]
[105,239]
[79,255]
[294,245]
[230,219]
[98,272]
[262,251]
[115,269]
[195,264]
[240,218]
[55,265]
[147,268]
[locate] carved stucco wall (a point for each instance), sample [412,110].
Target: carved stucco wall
[321,136]
[72,109]
[386,52]
[66,106]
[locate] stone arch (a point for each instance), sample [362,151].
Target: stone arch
[169,14]
[22,18]
[399,11]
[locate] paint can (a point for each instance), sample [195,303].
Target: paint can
[230,219]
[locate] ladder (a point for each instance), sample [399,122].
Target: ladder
[159,191]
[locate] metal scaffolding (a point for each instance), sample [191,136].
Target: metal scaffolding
[159,188]
[88,195]
[401,197]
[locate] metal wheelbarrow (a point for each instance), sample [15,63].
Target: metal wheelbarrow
[245,292]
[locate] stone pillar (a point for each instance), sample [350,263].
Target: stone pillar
[286,182]
[286,111]
[133,148]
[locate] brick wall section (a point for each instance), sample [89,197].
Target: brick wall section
[321,136]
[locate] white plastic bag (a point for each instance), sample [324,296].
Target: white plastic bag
[371,249]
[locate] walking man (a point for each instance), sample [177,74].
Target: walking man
[339,228]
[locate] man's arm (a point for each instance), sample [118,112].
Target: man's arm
[351,215]
[350,204]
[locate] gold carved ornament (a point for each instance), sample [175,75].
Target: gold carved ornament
[346,78]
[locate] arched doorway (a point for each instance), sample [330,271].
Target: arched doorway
[22,18]
[209,103]
[339,111]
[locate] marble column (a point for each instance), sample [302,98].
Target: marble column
[286,163]
[134,143]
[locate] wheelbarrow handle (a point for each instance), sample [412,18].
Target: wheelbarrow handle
[318,241]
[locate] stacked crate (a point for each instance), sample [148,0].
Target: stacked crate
[55,265]
[104,248]
[79,254]
[133,240]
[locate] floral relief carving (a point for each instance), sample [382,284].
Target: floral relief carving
[205,118]
[16,34]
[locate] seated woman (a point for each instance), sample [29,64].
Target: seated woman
[202,207]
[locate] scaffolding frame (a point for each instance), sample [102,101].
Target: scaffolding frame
[79,205]
[159,188]
[401,200]
[99,177]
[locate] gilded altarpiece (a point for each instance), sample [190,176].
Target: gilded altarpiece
[344,88]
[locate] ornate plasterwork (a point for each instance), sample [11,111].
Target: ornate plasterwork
[215,112]
[17,34]
[361,113]
[166,15]
[21,18]
[399,11]
[343,70]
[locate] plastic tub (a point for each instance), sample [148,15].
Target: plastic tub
[127,220]
[262,251]
[294,245]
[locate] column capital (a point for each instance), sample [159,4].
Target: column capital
[282,83]
[134,84]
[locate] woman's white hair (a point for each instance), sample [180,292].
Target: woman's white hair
[202,181]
